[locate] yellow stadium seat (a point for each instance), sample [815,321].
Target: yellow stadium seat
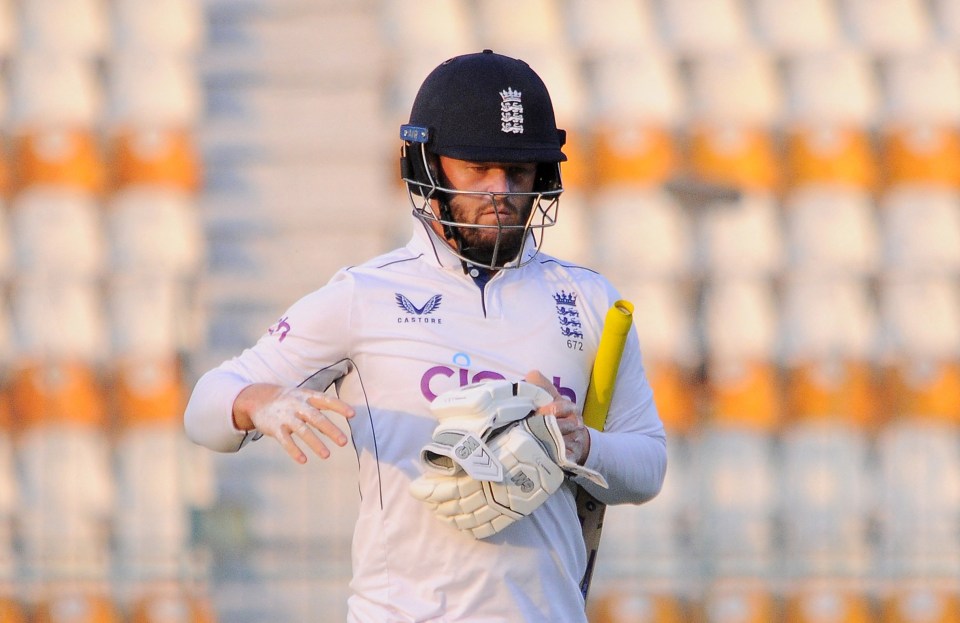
[828,605]
[829,154]
[159,156]
[737,155]
[925,154]
[60,157]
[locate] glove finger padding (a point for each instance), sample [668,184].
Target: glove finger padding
[484,508]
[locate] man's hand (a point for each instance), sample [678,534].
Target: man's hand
[282,412]
[576,436]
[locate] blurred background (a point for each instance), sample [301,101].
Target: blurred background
[175,173]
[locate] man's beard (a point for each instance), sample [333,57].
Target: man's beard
[480,244]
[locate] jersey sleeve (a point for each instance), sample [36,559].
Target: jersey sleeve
[631,450]
[312,335]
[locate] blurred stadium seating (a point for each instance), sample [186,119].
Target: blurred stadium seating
[174,173]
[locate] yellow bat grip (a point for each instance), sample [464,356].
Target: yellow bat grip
[603,377]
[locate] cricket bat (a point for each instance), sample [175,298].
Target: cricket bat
[603,378]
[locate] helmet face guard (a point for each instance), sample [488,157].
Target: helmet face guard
[483,107]
[542,207]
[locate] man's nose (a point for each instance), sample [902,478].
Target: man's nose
[498,181]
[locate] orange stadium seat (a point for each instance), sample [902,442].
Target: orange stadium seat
[171,607]
[921,153]
[630,604]
[676,391]
[12,611]
[148,391]
[578,171]
[633,153]
[737,155]
[923,602]
[638,104]
[59,156]
[829,154]
[840,391]
[923,389]
[922,374]
[743,383]
[156,156]
[739,601]
[6,169]
[828,604]
[77,607]
[745,394]
[57,393]
[833,100]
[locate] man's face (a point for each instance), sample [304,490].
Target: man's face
[493,209]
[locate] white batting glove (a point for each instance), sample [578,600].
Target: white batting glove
[492,460]
[483,507]
[468,417]
[286,412]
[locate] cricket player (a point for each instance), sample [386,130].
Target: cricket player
[460,362]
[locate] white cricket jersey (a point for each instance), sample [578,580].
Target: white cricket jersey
[405,327]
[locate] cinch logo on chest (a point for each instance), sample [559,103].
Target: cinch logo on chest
[419,315]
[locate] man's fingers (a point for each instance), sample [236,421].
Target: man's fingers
[317,420]
[537,378]
[329,403]
[285,439]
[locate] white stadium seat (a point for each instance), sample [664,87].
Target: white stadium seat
[884,26]
[57,232]
[154,230]
[161,27]
[76,28]
[792,26]
[831,230]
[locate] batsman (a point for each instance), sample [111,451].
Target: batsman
[459,366]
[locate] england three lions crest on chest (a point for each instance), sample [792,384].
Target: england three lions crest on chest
[568,317]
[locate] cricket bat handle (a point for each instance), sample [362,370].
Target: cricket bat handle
[603,378]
